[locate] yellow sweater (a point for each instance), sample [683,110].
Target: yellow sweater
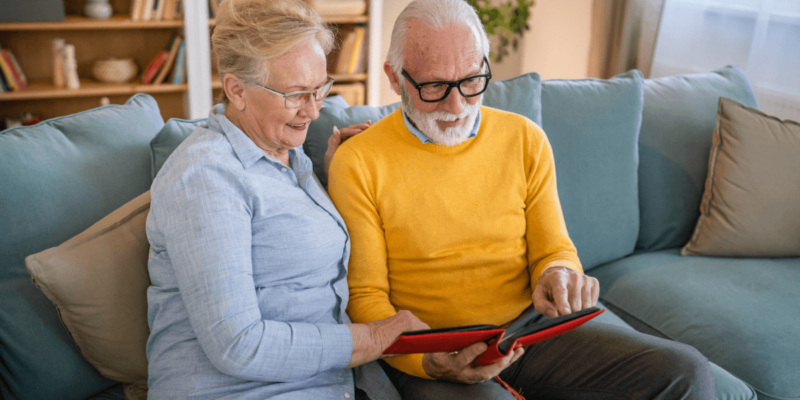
[457,235]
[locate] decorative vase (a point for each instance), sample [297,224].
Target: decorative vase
[98,9]
[114,70]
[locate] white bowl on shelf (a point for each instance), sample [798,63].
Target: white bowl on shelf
[114,70]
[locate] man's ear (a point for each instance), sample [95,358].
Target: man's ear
[234,90]
[394,80]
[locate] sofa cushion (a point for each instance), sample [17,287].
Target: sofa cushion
[677,123]
[519,95]
[750,205]
[59,177]
[593,126]
[743,314]
[728,386]
[98,281]
[168,138]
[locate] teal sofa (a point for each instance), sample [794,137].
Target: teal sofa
[631,157]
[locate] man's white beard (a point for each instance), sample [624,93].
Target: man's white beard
[426,122]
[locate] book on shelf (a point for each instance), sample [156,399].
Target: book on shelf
[14,77]
[527,329]
[175,43]
[159,10]
[358,52]
[179,72]
[4,86]
[352,51]
[170,10]
[152,68]
[136,10]
[147,10]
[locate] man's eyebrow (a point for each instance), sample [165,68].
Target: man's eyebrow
[477,71]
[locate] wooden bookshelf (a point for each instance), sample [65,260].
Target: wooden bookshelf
[118,37]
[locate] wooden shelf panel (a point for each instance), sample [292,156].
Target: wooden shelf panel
[74,22]
[45,90]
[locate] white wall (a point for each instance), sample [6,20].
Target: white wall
[556,46]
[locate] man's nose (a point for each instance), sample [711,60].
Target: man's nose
[454,102]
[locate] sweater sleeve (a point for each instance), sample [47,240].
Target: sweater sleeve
[548,242]
[350,186]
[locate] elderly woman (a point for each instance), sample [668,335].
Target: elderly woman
[249,257]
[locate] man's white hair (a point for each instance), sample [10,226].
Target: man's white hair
[435,14]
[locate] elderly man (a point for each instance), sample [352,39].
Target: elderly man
[454,215]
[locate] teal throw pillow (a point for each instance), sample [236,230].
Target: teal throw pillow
[678,121]
[593,125]
[59,177]
[168,138]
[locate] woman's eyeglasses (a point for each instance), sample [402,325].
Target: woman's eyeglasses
[299,99]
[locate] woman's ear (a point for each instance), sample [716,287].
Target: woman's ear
[235,91]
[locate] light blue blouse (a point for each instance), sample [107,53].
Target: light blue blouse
[248,266]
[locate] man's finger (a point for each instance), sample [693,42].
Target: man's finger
[542,304]
[575,292]
[595,292]
[561,298]
[586,294]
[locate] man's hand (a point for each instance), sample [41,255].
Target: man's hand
[338,137]
[371,339]
[561,291]
[457,367]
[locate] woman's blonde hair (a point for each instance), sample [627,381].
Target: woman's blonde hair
[250,33]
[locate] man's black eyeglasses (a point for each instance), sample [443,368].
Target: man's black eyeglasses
[472,86]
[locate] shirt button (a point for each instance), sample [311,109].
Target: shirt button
[283,169]
[347,395]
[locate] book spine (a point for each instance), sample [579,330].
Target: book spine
[147,12]
[169,10]
[153,67]
[19,78]
[354,56]
[3,84]
[136,10]
[179,73]
[58,63]
[5,69]
[71,67]
[160,10]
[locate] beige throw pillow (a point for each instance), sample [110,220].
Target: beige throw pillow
[98,281]
[751,204]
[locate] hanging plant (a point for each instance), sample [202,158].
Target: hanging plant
[508,21]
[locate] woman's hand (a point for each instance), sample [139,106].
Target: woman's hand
[371,339]
[338,137]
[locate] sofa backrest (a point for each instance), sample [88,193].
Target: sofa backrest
[674,143]
[58,178]
[593,126]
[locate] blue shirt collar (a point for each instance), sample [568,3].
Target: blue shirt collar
[425,139]
[244,147]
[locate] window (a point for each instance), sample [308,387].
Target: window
[761,36]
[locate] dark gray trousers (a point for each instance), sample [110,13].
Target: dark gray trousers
[595,361]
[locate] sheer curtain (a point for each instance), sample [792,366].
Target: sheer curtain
[761,36]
